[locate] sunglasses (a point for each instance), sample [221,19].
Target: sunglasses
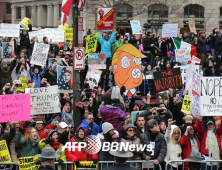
[176,133]
[114,138]
[131,130]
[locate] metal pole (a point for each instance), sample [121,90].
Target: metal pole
[76,73]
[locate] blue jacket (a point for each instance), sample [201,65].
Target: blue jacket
[85,125]
[37,78]
[106,44]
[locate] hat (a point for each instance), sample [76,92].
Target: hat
[63,125]
[188,117]
[3,62]
[67,53]
[48,152]
[38,122]
[51,133]
[207,122]
[85,99]
[107,98]
[195,156]
[106,127]
[23,47]
[30,81]
[130,126]
[77,132]
[169,52]
[121,152]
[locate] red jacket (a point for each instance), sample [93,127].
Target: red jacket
[42,134]
[186,148]
[73,156]
[203,135]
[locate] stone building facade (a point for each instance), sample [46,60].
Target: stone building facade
[5,11]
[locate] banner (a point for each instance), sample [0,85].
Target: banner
[24,82]
[8,51]
[55,34]
[25,22]
[15,106]
[192,25]
[91,43]
[182,55]
[65,79]
[68,34]
[189,73]
[136,28]
[28,163]
[44,100]
[10,30]
[186,107]
[93,76]
[147,86]
[97,61]
[39,54]
[169,30]
[106,18]
[86,165]
[211,96]
[167,79]
[4,153]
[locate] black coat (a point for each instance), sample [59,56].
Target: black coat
[147,44]
[219,44]
[24,41]
[120,166]
[47,167]
[213,39]
[107,81]
[202,45]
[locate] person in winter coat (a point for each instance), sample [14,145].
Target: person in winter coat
[119,42]
[75,155]
[189,143]
[5,72]
[109,79]
[21,71]
[131,138]
[25,41]
[152,136]
[112,114]
[191,39]
[218,45]
[89,124]
[53,141]
[213,38]
[202,41]
[36,75]
[63,132]
[29,142]
[106,43]
[67,114]
[209,70]
[165,46]
[174,150]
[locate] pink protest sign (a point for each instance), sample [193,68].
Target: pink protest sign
[15,107]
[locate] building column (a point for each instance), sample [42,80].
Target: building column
[49,14]
[13,14]
[22,12]
[34,16]
[39,23]
[56,14]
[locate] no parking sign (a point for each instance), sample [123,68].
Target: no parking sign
[79,58]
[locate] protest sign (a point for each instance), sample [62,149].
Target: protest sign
[180,24]
[93,76]
[169,30]
[186,107]
[54,61]
[33,34]
[63,26]
[210,96]
[147,86]
[65,79]
[183,70]
[9,30]
[39,54]
[24,82]
[15,106]
[167,79]
[25,22]
[28,163]
[134,114]
[8,51]
[190,69]
[192,25]
[4,153]
[182,55]
[44,100]
[136,28]
[87,164]
[105,18]
[97,61]
[55,34]
[91,43]
[68,34]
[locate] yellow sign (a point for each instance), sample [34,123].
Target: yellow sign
[68,34]
[91,43]
[28,163]
[63,26]
[24,82]
[192,25]
[25,22]
[4,153]
[186,107]
[86,165]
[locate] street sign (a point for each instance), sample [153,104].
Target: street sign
[79,58]
[80,31]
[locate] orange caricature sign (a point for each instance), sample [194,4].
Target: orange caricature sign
[127,66]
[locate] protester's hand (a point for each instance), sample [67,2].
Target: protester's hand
[49,140]
[2,58]
[93,95]
[152,45]
[45,64]
[148,95]
[219,56]
[210,64]
[83,92]
[11,122]
[16,162]
[21,129]
[95,161]
[9,62]
[59,105]
[103,92]
[60,161]
[164,110]
[66,96]
[171,92]
[144,100]
[170,122]
[156,162]
[148,158]
[188,129]
[32,65]
[77,163]
[99,90]
[207,36]
[185,92]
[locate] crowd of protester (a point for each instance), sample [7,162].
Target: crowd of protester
[174,134]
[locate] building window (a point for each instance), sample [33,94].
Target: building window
[194,11]
[8,8]
[124,10]
[220,12]
[18,12]
[60,6]
[28,11]
[158,11]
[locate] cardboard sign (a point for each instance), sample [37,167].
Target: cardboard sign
[97,61]
[65,79]
[9,30]
[93,76]
[68,34]
[167,79]
[180,24]
[210,96]
[15,107]
[79,58]
[80,31]
[86,165]
[169,30]
[4,153]
[24,82]
[44,100]
[105,18]
[182,55]
[25,22]
[136,28]
[55,34]
[91,43]
[192,25]
[28,163]
[186,107]
[39,54]
[8,51]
